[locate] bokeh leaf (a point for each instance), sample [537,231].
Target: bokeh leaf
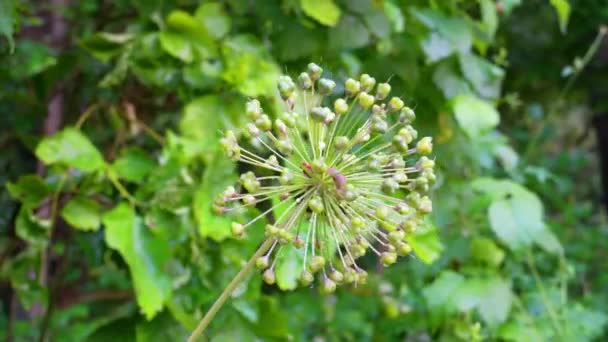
[72,148]
[325,12]
[475,116]
[145,254]
[82,213]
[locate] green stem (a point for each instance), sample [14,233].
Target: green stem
[543,295]
[228,291]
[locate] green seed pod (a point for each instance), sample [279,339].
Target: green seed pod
[340,106]
[425,163]
[306,278]
[367,82]
[404,249]
[286,177]
[319,114]
[395,104]
[269,276]
[396,236]
[326,86]
[336,276]
[238,230]
[249,200]
[352,87]
[350,275]
[365,100]
[400,143]
[316,205]
[262,262]
[316,263]
[389,186]
[400,177]
[329,286]
[318,166]
[379,126]
[253,109]
[361,277]
[304,81]
[388,258]
[314,71]
[289,119]
[298,242]
[263,123]
[382,212]
[230,146]
[285,146]
[407,115]
[286,87]
[425,206]
[382,91]
[425,146]
[342,143]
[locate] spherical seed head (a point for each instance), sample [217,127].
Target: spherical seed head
[344,177]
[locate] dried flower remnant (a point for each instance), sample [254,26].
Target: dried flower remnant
[345,175]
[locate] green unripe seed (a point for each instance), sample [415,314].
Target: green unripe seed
[395,104]
[286,86]
[326,86]
[352,87]
[425,146]
[264,123]
[314,71]
[237,229]
[340,106]
[389,186]
[404,249]
[341,143]
[382,212]
[336,276]
[304,81]
[388,258]
[329,286]
[262,262]
[319,114]
[367,82]
[316,263]
[269,276]
[316,205]
[382,91]
[396,236]
[407,115]
[365,100]
[253,109]
[306,278]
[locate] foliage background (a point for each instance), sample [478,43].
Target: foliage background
[111,112]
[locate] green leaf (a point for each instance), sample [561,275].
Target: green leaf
[486,251]
[448,34]
[496,301]
[395,16]
[82,213]
[350,33]
[32,229]
[29,189]
[516,214]
[485,77]
[162,328]
[214,18]
[104,45]
[133,165]
[289,265]
[489,17]
[186,38]
[325,12]
[448,80]
[426,244]
[146,255]
[218,175]
[308,42]
[72,148]
[438,293]
[31,58]
[8,18]
[562,7]
[474,116]
[248,66]
[549,242]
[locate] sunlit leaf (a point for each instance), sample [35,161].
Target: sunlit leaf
[82,213]
[324,11]
[475,116]
[72,148]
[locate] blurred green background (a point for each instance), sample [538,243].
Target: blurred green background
[108,104]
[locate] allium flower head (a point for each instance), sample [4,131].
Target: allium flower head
[344,176]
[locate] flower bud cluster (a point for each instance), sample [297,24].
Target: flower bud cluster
[349,176]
